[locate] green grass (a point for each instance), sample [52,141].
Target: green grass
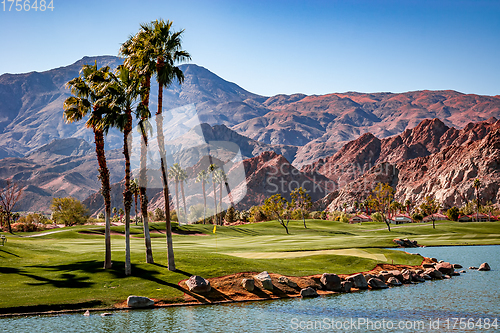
[64,269]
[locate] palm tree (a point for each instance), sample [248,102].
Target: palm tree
[134,188]
[212,169]
[174,173]
[123,90]
[183,178]
[221,178]
[165,50]
[202,178]
[477,185]
[139,60]
[87,100]
[408,205]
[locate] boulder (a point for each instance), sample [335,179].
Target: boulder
[434,260]
[427,265]
[472,267]
[406,276]
[265,280]
[385,276]
[308,292]
[463,271]
[369,276]
[375,283]
[358,281]
[345,286]
[287,281]
[434,273]
[455,274]
[330,281]
[425,276]
[248,284]
[197,284]
[392,281]
[445,276]
[484,267]
[139,302]
[456,266]
[397,274]
[416,277]
[445,268]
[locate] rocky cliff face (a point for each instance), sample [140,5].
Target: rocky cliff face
[428,137]
[447,174]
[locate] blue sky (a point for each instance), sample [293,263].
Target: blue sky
[272,47]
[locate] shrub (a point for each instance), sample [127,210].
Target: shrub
[323,215]
[196,213]
[35,218]
[244,215]
[256,214]
[101,216]
[315,215]
[344,218]
[69,211]
[230,215]
[173,215]
[417,217]
[453,213]
[26,227]
[377,217]
[159,214]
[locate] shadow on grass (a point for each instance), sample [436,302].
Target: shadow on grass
[33,309]
[12,254]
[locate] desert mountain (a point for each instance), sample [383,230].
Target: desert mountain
[428,137]
[447,174]
[65,167]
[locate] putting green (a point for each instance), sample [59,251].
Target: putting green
[299,254]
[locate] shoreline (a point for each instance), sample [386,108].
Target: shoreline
[233,280]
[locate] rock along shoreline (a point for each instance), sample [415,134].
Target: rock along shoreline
[270,286]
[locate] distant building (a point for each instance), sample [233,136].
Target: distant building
[360,218]
[436,216]
[401,218]
[464,218]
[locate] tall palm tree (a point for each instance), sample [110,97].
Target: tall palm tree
[221,178]
[174,173]
[87,100]
[165,50]
[202,178]
[477,185]
[183,178]
[134,188]
[123,91]
[408,205]
[139,60]
[212,169]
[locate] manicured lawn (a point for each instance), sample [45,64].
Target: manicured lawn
[63,268]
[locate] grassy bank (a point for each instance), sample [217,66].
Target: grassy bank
[64,269]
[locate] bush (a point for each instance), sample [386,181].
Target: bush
[244,216]
[417,217]
[315,215]
[256,214]
[34,218]
[344,218]
[297,214]
[101,216]
[69,211]
[26,227]
[230,215]
[377,217]
[323,215]
[159,214]
[453,213]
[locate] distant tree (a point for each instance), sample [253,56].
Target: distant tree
[100,216]
[134,188]
[277,206]
[69,211]
[221,178]
[417,217]
[244,215]
[453,213]
[366,204]
[230,215]
[256,214]
[323,215]
[429,207]
[477,185]
[159,214]
[302,201]
[377,217]
[115,211]
[384,194]
[10,194]
[212,168]
[489,208]
[356,205]
[203,178]
[408,204]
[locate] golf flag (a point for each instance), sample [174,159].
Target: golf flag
[215,228]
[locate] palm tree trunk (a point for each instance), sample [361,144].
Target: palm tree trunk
[135,197]
[177,201]
[204,201]
[184,202]
[105,190]
[161,146]
[220,203]
[127,194]
[215,201]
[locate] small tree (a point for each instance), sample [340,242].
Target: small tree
[429,207]
[10,194]
[384,194]
[302,201]
[69,211]
[100,216]
[277,206]
[230,215]
[453,213]
[159,214]
[477,185]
